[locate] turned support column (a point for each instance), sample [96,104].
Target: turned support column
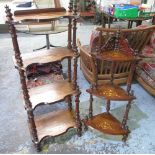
[75,73]
[108,106]
[78,120]
[125,118]
[19,62]
[91,106]
[70,33]
[74,34]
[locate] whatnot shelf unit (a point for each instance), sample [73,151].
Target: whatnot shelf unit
[53,123]
[112,57]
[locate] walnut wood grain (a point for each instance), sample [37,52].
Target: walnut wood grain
[41,16]
[45,56]
[43,10]
[54,123]
[106,123]
[111,92]
[50,93]
[115,56]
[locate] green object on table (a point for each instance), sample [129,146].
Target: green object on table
[126,12]
[146,14]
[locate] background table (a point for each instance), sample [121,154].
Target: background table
[107,18]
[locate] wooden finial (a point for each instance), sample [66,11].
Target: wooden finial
[12,31]
[8,13]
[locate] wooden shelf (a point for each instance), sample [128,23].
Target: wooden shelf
[111,92]
[45,56]
[54,123]
[41,16]
[57,122]
[106,123]
[115,56]
[50,93]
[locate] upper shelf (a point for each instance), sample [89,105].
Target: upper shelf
[45,56]
[41,14]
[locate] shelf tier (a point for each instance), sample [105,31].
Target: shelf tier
[41,15]
[111,92]
[45,56]
[106,123]
[54,123]
[115,56]
[50,93]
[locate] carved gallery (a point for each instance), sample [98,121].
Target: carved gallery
[77,76]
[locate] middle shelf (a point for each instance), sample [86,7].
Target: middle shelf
[50,93]
[45,56]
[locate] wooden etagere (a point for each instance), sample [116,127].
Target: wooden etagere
[53,123]
[112,57]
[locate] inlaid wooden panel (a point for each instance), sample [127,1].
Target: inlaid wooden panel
[115,56]
[54,123]
[50,93]
[106,123]
[111,92]
[45,56]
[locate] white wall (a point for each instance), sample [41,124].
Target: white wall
[150,2]
[65,3]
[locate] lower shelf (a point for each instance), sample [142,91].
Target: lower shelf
[106,123]
[54,123]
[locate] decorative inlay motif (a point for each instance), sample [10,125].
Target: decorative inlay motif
[116,56]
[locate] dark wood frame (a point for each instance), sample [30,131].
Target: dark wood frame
[106,122]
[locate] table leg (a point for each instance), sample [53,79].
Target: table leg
[138,22]
[103,20]
[153,20]
[108,22]
[130,22]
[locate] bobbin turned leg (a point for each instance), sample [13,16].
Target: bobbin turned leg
[69,101]
[125,118]
[91,106]
[108,106]
[78,120]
